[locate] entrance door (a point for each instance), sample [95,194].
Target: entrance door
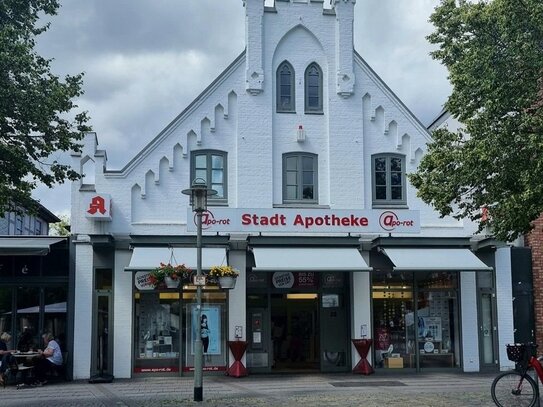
[295,322]
[102,343]
[334,332]
[487,329]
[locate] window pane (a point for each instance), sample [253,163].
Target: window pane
[380,164]
[396,178]
[220,191]
[55,315]
[285,102]
[292,192]
[200,161]
[28,306]
[292,163]
[217,176]
[307,178]
[307,163]
[201,174]
[217,161]
[308,192]
[396,164]
[313,102]
[380,178]
[380,193]
[313,92]
[292,178]
[396,192]
[285,91]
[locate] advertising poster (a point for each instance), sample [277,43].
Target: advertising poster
[210,327]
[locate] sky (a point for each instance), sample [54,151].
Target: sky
[145,61]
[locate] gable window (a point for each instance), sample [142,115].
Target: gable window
[210,165]
[388,179]
[285,88]
[313,89]
[300,178]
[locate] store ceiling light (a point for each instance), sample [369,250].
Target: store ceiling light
[302,296]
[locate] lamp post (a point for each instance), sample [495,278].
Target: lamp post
[198,193]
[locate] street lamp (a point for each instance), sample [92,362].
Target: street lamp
[198,193]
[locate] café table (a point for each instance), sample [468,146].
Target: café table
[22,358]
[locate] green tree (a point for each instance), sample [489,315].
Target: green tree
[36,117]
[493,51]
[61,228]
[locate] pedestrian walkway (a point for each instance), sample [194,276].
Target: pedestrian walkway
[435,390]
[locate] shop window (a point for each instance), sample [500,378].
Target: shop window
[300,178]
[211,166]
[285,88]
[415,317]
[166,327]
[213,327]
[313,89]
[5,312]
[388,172]
[157,332]
[54,319]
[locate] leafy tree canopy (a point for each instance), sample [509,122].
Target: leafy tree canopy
[494,54]
[61,228]
[35,108]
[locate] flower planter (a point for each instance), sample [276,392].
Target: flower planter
[227,282]
[171,283]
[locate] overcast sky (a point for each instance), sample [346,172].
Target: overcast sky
[145,61]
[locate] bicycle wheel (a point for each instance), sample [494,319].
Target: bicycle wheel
[514,389]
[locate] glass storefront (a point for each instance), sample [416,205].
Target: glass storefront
[415,319]
[165,330]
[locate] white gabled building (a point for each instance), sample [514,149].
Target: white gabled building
[308,150]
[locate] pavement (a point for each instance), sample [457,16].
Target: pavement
[415,389]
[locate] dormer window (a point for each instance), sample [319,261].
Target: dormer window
[313,89]
[285,88]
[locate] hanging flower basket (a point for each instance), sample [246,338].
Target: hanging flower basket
[226,275]
[227,283]
[169,275]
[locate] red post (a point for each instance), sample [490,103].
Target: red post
[362,347]
[238,349]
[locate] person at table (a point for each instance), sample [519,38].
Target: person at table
[6,356]
[26,341]
[47,359]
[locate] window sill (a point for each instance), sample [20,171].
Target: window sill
[390,206]
[302,206]
[286,111]
[87,187]
[321,113]
[218,203]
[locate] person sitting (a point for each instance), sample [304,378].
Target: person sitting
[7,359]
[49,358]
[26,341]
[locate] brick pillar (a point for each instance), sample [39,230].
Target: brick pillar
[535,241]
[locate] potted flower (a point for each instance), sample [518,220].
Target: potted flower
[169,274]
[225,274]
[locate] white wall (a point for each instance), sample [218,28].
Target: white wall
[470,327]
[122,316]
[504,301]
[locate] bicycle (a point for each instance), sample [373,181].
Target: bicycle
[517,387]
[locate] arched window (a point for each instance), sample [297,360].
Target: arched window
[285,88]
[313,89]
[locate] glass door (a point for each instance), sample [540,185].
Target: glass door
[102,344]
[487,329]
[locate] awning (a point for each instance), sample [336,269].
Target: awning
[308,259]
[425,259]
[27,246]
[149,258]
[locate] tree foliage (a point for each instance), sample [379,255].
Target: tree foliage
[61,228]
[36,117]
[494,54]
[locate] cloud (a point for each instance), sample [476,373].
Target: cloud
[145,61]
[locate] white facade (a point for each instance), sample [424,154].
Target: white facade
[237,115]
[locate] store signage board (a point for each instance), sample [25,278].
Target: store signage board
[98,207]
[282,220]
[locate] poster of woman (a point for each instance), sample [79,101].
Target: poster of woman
[209,325]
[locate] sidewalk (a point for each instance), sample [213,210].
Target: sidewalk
[421,390]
